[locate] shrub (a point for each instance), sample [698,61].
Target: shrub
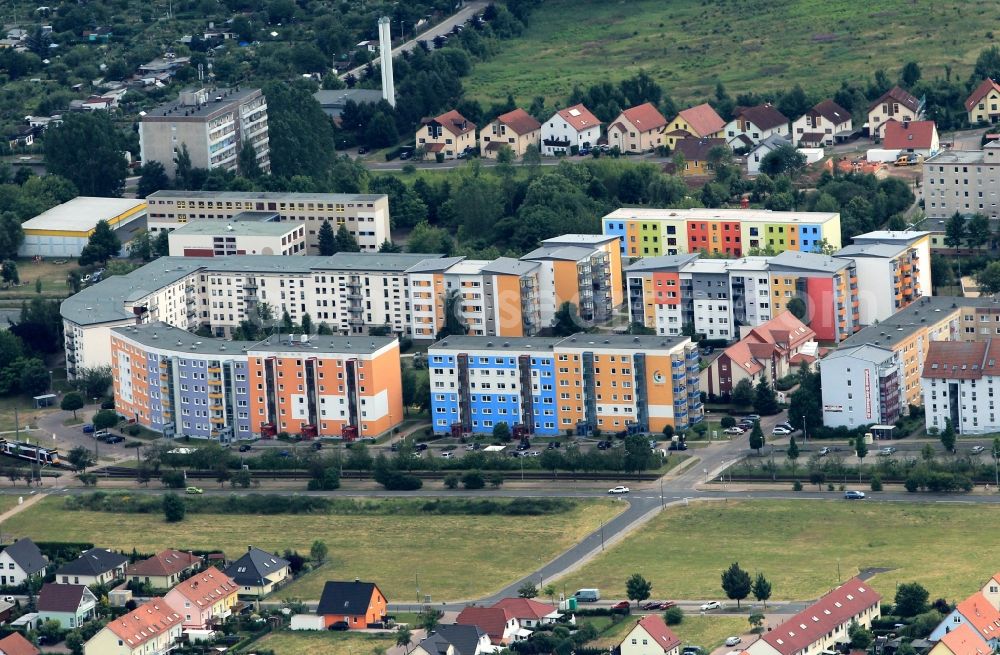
[173,479]
[451,481]
[173,508]
[473,480]
[396,481]
[674,616]
[876,483]
[796,486]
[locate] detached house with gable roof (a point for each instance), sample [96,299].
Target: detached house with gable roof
[516,129]
[695,153]
[915,137]
[150,629]
[638,129]
[358,604]
[573,126]
[528,612]
[448,134]
[69,604]
[454,640]
[823,624]
[164,569]
[823,125]
[983,104]
[20,561]
[16,644]
[895,104]
[95,566]
[962,640]
[751,125]
[497,622]
[650,636]
[699,122]
[204,599]
[976,612]
[258,572]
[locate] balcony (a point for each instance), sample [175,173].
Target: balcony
[214,382]
[215,369]
[163,377]
[215,395]
[218,420]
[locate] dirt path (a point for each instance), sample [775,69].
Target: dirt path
[20,507]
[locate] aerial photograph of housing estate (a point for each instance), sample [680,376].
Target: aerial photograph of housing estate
[499,327]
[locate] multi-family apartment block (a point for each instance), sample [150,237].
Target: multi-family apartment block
[963,181]
[960,385]
[646,232]
[577,384]
[180,384]
[249,233]
[366,216]
[213,124]
[894,269]
[714,296]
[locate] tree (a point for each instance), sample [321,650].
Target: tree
[161,245]
[34,376]
[86,149]
[727,422]
[756,437]
[756,621]
[389,246]
[473,480]
[736,583]
[978,231]
[301,138]
[860,637]
[152,178]
[910,74]
[141,247]
[9,273]
[988,279]
[638,588]
[637,453]
[403,637]
[11,235]
[762,589]
[246,162]
[173,508]
[430,618]
[81,458]
[101,246]
[954,231]
[346,241]
[860,449]
[93,382]
[104,419]
[566,321]
[527,590]
[798,308]
[241,478]
[501,432]
[327,239]
[765,401]
[911,599]
[71,402]
[792,453]
[995,451]
[783,160]
[742,395]
[318,551]
[948,436]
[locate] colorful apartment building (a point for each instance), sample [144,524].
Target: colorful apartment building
[894,269]
[551,386]
[180,384]
[827,285]
[647,232]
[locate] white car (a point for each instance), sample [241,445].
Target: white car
[711,605]
[618,490]
[733,430]
[732,641]
[780,431]
[447,455]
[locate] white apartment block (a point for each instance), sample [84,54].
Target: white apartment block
[963,181]
[961,383]
[238,237]
[366,216]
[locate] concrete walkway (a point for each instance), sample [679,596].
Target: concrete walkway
[21,506]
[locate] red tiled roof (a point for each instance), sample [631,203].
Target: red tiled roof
[491,620]
[785,329]
[909,134]
[961,360]
[980,613]
[520,121]
[984,87]
[452,121]
[702,119]
[167,562]
[206,587]
[697,149]
[763,116]
[525,608]
[578,117]
[900,96]
[645,117]
[831,111]
[659,632]
[145,622]
[16,644]
[836,608]
[963,640]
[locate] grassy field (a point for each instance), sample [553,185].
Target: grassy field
[455,556]
[328,643]
[26,415]
[710,631]
[52,275]
[799,546]
[689,45]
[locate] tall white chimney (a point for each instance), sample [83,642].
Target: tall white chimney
[385,60]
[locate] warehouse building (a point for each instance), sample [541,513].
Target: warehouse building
[63,230]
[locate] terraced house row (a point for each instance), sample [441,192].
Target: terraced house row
[179,384]
[572,385]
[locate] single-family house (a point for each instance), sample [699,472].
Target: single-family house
[978,613]
[915,137]
[94,566]
[367,46]
[696,122]
[823,125]
[454,640]
[102,34]
[991,590]
[983,104]
[20,561]
[16,644]
[823,624]
[895,104]
[258,572]
[762,149]
[153,628]
[516,129]
[528,612]
[497,622]
[638,129]
[356,603]
[204,600]
[573,126]
[963,640]
[449,134]
[751,125]
[69,604]
[650,636]
[695,155]
[769,351]
[164,569]
[22,136]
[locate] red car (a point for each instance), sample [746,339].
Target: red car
[667,604]
[622,605]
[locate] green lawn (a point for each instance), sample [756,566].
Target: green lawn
[689,45]
[707,631]
[52,275]
[327,643]
[799,546]
[455,557]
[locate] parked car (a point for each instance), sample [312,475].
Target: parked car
[524,445]
[553,445]
[752,417]
[854,495]
[691,650]
[667,604]
[978,449]
[652,605]
[732,641]
[733,430]
[115,439]
[824,451]
[603,445]
[711,605]
[421,447]
[533,453]
[88,428]
[888,450]
[195,490]
[245,448]
[620,489]
[101,434]
[362,151]
[447,455]
[622,605]
[677,445]
[788,426]
[779,431]
[339,625]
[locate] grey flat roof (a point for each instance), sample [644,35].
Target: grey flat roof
[885,250]
[956,157]
[231,96]
[266,195]
[434,265]
[236,228]
[167,337]
[581,340]
[866,351]
[889,236]
[82,213]
[918,314]
[463,343]
[509,266]
[810,261]
[663,261]
[573,239]
[569,253]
